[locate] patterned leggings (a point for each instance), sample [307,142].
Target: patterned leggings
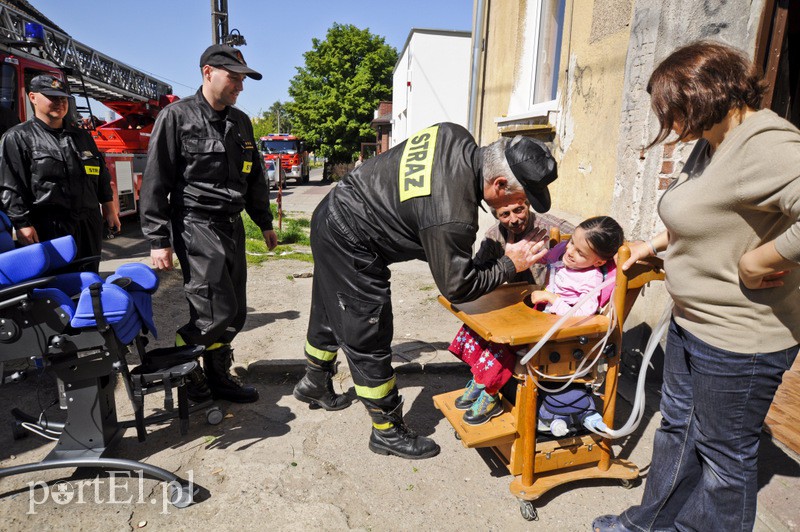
[492,364]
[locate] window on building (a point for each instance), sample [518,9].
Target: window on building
[548,51]
[536,84]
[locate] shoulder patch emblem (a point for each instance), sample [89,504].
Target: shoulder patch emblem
[416,164]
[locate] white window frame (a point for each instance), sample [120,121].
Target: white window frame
[521,104]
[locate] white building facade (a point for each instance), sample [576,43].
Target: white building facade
[431,81]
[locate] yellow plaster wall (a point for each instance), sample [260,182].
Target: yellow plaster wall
[503,49]
[593,54]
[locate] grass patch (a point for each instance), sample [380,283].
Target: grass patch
[293,241]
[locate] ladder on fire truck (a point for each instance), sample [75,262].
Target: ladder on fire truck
[88,71]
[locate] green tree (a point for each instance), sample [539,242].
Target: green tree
[337,91]
[276,119]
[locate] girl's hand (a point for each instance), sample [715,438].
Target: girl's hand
[543,296]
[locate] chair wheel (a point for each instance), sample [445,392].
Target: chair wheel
[457,435]
[528,511]
[182,496]
[214,415]
[627,483]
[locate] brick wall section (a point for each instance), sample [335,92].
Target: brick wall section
[667,173]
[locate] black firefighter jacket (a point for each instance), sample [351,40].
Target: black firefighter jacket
[202,162]
[420,200]
[48,172]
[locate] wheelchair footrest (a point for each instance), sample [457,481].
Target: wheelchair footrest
[167,357]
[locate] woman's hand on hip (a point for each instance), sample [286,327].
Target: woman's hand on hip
[763,267]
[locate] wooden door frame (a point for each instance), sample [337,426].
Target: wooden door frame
[769,42]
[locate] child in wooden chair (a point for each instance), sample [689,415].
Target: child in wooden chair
[574,268]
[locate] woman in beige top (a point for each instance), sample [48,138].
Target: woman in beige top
[731,250]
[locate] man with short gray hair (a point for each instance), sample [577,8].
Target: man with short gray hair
[419,200]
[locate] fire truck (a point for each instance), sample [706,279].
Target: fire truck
[290,151]
[31,45]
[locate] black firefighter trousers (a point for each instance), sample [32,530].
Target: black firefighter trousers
[351,308]
[211,249]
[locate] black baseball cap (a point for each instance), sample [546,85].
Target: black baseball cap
[227,57]
[534,167]
[49,85]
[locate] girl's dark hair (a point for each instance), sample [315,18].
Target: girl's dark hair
[604,235]
[698,84]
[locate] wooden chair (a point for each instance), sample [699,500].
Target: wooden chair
[503,317]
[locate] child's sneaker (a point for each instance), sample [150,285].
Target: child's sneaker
[471,393]
[483,409]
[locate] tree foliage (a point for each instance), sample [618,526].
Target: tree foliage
[337,91]
[277,119]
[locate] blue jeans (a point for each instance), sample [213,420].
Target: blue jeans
[705,454]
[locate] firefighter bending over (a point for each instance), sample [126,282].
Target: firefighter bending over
[203,168]
[418,200]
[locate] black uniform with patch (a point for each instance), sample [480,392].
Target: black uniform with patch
[418,200]
[203,169]
[54,180]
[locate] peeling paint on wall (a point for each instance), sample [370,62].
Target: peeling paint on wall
[660,26]
[566,122]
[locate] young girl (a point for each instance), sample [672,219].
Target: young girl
[573,270]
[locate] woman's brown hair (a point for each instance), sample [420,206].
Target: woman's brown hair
[698,84]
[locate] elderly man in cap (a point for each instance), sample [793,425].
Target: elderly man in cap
[419,200]
[203,169]
[52,176]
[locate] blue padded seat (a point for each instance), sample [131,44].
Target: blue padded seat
[6,240]
[60,251]
[62,300]
[143,278]
[23,263]
[73,283]
[118,310]
[144,282]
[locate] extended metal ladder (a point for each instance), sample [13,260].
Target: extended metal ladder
[104,78]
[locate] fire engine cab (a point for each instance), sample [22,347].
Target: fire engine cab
[291,153]
[29,47]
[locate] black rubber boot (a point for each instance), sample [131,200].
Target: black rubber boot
[316,388]
[224,385]
[398,439]
[197,385]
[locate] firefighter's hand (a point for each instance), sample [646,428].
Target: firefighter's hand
[27,235]
[271,239]
[111,216]
[525,253]
[162,258]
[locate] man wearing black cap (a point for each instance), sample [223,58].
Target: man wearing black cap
[204,168]
[418,200]
[52,176]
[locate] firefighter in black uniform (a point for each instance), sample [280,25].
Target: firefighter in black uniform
[203,168]
[53,178]
[418,200]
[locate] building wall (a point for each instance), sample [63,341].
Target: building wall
[657,28]
[593,57]
[503,41]
[437,67]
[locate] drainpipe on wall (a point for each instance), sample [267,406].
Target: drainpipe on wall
[477,48]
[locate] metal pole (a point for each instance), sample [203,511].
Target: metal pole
[219,21]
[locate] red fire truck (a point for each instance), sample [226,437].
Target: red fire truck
[30,45]
[291,152]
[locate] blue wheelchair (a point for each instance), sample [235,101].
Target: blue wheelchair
[82,328]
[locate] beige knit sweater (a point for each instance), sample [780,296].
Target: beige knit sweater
[723,205]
